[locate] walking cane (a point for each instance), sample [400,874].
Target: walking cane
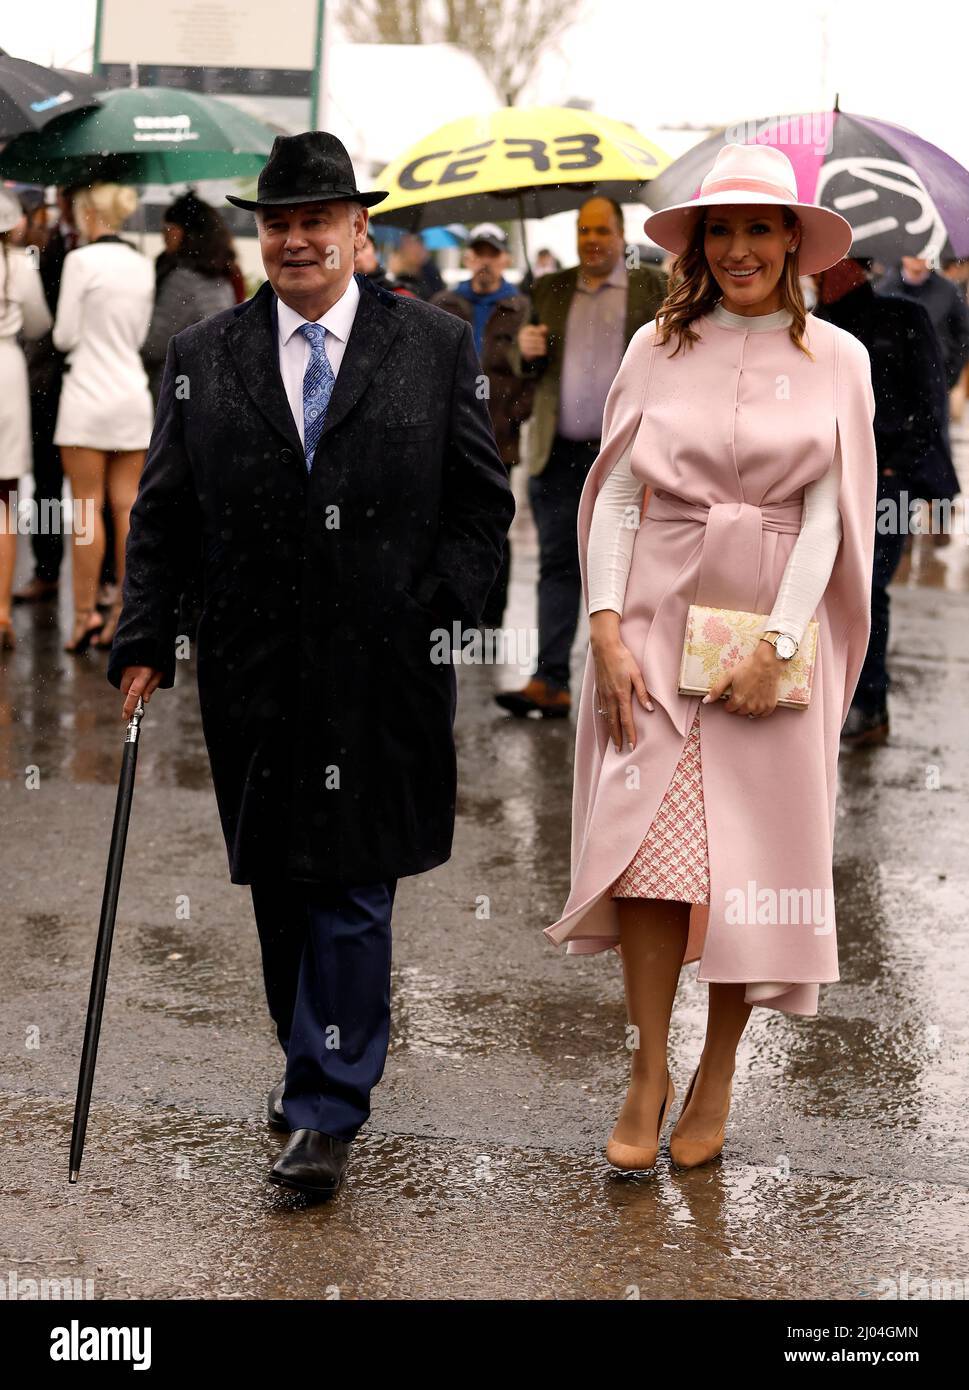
[102,956]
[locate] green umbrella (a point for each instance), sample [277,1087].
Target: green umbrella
[142,135]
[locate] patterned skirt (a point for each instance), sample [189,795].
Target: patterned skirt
[672,860]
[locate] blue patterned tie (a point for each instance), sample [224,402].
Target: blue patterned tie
[318,382]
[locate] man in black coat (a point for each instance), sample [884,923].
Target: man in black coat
[915,280]
[911,440]
[324,449]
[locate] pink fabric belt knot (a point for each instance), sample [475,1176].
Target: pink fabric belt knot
[724,573]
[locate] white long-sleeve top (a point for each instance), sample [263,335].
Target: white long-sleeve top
[615,519]
[23,308]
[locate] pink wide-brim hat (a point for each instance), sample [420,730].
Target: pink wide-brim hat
[755,174]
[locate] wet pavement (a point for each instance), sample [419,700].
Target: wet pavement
[481,1173]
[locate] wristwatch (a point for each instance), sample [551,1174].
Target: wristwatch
[783,643]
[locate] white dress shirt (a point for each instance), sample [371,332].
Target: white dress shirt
[294,350]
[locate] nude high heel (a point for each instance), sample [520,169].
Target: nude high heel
[631,1157]
[690,1153]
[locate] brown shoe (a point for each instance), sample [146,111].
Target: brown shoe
[864,728]
[35,591]
[537,695]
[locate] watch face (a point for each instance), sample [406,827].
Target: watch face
[785,646]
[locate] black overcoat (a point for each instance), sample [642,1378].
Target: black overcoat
[328,725]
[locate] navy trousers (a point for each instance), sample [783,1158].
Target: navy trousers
[871,693]
[326,957]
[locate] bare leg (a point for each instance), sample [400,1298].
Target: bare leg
[124,471]
[124,474]
[653,934]
[86,468]
[8,553]
[727,1016]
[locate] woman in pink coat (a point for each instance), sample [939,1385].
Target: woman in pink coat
[703,830]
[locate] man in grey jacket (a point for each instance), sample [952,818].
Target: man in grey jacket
[582,322]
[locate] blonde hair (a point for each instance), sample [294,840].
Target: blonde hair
[692,292]
[113,203]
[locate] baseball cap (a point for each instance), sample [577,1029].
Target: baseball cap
[490,234]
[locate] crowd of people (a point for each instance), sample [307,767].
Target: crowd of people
[84,334]
[83,344]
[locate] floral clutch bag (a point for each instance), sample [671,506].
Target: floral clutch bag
[717,639]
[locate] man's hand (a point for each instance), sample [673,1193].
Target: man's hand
[533,341]
[135,681]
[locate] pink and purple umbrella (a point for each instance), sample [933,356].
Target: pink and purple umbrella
[902,195]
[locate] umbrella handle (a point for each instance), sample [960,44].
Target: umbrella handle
[521,221]
[133,726]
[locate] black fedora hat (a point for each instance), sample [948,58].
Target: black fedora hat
[310,168]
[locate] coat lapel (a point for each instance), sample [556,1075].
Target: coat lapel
[374,329]
[252,341]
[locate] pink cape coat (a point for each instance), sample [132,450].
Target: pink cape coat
[726,435]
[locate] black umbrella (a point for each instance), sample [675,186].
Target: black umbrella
[31,95]
[102,956]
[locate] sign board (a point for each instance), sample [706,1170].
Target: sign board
[245,48]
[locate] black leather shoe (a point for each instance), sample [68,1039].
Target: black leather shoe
[865,727]
[275,1116]
[311,1162]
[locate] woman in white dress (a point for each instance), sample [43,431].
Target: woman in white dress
[23,309]
[105,416]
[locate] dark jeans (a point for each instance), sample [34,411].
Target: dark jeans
[326,957]
[554,496]
[871,695]
[48,480]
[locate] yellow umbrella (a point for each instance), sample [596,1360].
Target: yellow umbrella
[516,162]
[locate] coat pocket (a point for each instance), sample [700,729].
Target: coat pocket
[405,431]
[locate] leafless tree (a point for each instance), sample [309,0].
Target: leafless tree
[506,36]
